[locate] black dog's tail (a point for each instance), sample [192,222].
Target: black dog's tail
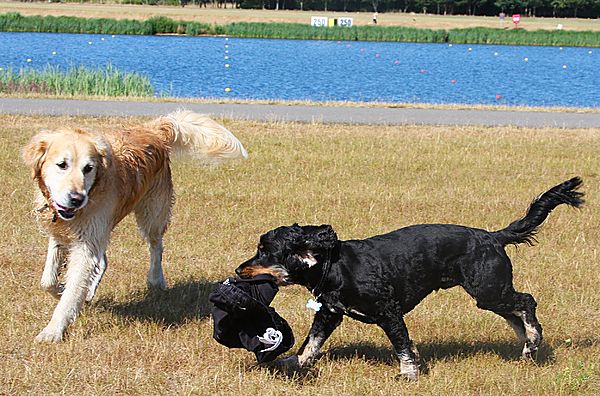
[524,230]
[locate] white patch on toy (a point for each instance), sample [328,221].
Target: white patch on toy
[313,304]
[271,337]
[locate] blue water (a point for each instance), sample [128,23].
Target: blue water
[327,70]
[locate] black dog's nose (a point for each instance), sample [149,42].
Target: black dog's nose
[238,271]
[76,199]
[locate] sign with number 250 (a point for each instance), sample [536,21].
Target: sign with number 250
[345,22]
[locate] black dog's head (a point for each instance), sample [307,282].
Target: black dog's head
[288,252]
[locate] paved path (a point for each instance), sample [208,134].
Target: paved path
[350,115]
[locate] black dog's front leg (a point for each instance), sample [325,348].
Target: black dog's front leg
[324,323]
[392,323]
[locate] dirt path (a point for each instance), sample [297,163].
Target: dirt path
[326,114]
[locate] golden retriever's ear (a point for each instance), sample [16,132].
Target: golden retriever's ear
[104,150]
[35,151]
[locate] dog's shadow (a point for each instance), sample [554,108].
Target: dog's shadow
[430,353]
[179,304]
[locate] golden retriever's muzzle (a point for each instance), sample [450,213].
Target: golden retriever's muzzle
[75,200]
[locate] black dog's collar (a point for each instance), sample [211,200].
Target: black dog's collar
[316,291]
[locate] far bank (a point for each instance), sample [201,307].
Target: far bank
[16,22]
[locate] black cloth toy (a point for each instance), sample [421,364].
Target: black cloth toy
[243,318]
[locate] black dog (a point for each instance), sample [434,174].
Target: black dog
[379,279]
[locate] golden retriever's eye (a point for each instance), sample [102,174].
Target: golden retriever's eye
[62,165]
[87,169]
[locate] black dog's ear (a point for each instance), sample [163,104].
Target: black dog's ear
[317,243]
[321,237]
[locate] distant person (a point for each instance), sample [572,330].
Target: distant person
[375,18]
[502,16]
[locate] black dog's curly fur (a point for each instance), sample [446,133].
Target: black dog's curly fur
[379,279]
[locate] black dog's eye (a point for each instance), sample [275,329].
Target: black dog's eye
[87,169]
[260,250]
[62,165]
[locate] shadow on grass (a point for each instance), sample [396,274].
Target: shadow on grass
[430,354]
[175,306]
[507,350]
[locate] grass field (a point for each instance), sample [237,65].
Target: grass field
[363,180]
[221,16]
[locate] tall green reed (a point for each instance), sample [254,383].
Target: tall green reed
[76,80]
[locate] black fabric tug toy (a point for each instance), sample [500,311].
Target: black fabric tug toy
[243,318]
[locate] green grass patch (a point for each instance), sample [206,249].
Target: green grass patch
[75,81]
[15,22]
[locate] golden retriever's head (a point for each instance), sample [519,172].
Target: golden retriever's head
[67,164]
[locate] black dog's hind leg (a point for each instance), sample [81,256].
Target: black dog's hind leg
[490,283]
[525,310]
[517,325]
[392,323]
[324,323]
[520,315]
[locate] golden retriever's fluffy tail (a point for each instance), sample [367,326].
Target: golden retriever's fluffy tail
[195,134]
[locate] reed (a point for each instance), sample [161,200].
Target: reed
[523,37]
[75,81]
[15,22]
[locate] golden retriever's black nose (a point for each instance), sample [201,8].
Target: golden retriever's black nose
[76,199]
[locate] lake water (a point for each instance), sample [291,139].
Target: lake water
[219,67]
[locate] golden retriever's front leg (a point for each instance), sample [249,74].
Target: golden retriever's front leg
[97,275]
[54,259]
[82,260]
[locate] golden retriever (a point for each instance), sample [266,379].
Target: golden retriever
[88,182]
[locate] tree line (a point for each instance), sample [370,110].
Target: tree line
[539,8]
[531,8]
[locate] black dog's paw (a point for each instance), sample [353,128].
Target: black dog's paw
[529,353]
[289,366]
[411,377]
[289,363]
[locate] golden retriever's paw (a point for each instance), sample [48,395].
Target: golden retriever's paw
[49,335]
[48,282]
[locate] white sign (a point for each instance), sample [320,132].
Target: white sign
[318,21]
[345,22]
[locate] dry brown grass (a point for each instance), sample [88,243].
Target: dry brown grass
[363,180]
[221,16]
